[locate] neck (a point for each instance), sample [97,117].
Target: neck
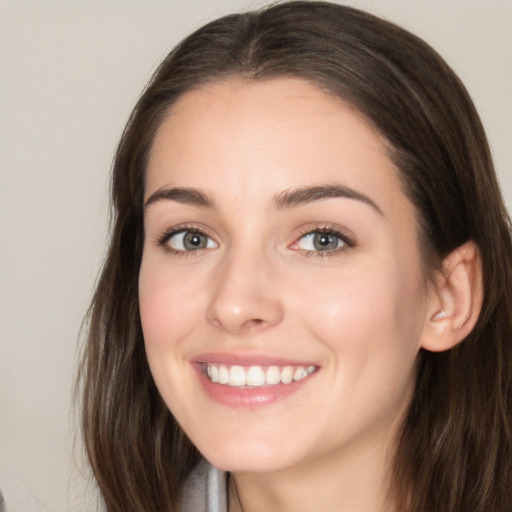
[338,482]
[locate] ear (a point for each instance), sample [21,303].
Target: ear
[455,300]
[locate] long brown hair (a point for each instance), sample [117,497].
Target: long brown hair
[454,449]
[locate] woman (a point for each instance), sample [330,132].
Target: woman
[305,305]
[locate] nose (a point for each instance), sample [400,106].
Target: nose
[246,297]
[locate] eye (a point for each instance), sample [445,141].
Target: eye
[322,240]
[188,240]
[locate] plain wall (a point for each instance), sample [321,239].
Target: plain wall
[70,72]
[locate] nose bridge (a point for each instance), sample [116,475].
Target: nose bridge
[244,298]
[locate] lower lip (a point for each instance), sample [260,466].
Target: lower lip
[249,398]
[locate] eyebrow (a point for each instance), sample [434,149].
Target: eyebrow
[184,195]
[286,199]
[304,195]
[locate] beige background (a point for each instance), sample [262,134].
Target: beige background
[70,73]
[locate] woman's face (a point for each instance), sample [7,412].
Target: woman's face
[281,293]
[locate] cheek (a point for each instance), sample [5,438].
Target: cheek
[168,302]
[169,310]
[371,312]
[369,324]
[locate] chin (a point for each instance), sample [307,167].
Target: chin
[250,458]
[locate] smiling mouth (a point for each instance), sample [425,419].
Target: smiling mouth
[255,376]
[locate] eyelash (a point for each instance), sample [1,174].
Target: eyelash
[348,242]
[167,235]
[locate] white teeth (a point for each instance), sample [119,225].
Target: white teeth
[300,373]
[273,375]
[287,375]
[256,376]
[223,375]
[237,376]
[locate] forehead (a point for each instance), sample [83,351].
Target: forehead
[240,136]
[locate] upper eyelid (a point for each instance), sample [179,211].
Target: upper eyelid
[162,240]
[345,235]
[348,242]
[186,227]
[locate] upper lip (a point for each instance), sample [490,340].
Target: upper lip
[230,358]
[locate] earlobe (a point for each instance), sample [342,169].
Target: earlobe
[439,316]
[456,300]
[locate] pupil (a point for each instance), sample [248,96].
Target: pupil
[194,241]
[324,241]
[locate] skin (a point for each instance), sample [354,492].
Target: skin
[358,312]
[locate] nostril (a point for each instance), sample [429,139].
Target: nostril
[252,323]
[246,309]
